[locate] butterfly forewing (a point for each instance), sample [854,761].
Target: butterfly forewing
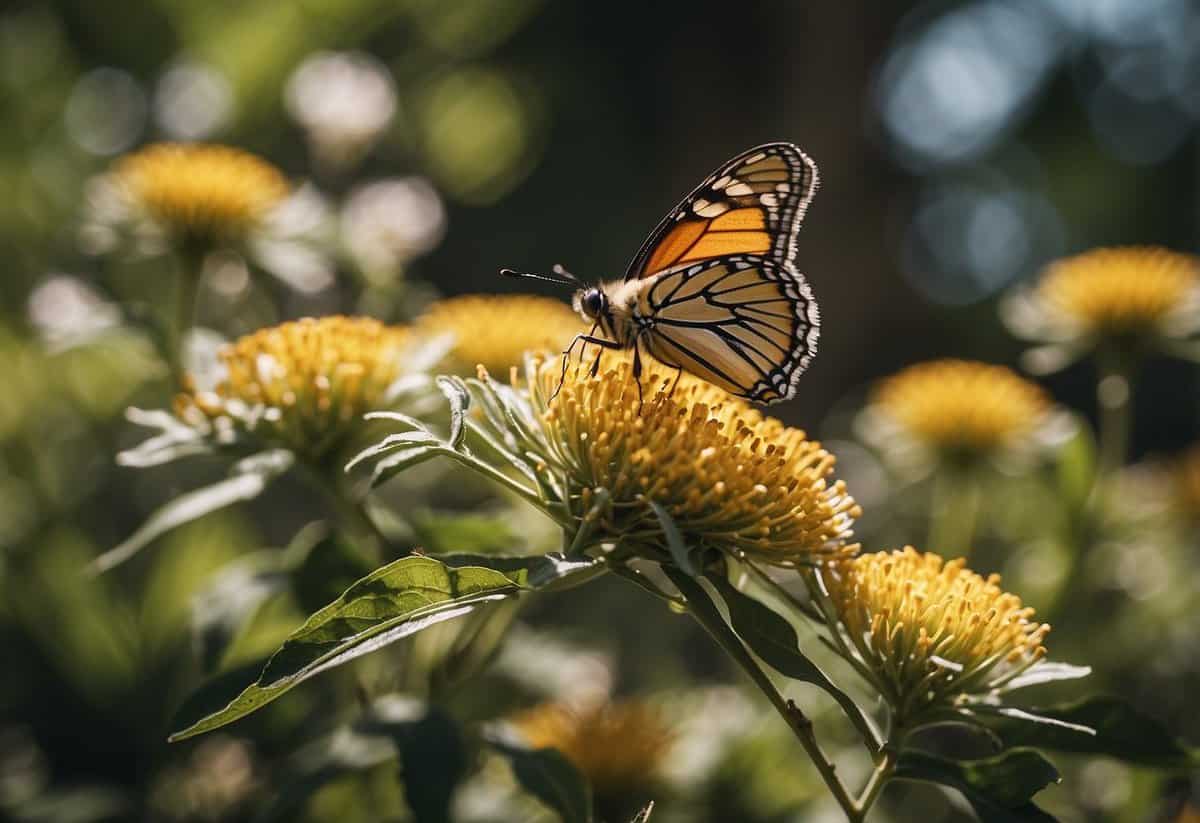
[727,303]
[752,204]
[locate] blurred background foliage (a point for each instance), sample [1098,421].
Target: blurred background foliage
[962,145]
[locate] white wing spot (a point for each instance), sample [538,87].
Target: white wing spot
[739,189]
[722,182]
[704,208]
[769,200]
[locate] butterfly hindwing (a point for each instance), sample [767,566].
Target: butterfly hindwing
[751,205]
[742,322]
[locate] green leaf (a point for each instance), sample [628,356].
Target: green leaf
[773,639]
[1121,732]
[175,439]
[1046,672]
[478,533]
[250,477]
[675,544]
[433,756]
[460,400]
[551,572]
[549,777]
[999,788]
[393,602]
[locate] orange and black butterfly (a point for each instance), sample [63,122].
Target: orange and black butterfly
[714,289]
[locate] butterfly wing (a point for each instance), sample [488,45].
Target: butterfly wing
[751,205]
[741,322]
[727,302]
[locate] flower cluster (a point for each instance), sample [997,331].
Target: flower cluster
[729,477]
[958,407]
[930,630]
[200,193]
[496,331]
[1124,296]
[618,747]
[303,385]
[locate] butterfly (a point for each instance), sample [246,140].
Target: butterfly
[714,290]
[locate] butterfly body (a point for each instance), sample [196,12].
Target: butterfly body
[714,289]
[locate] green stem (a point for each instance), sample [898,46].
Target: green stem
[954,510]
[884,770]
[704,611]
[1114,391]
[182,314]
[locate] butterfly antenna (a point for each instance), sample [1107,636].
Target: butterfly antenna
[525,275]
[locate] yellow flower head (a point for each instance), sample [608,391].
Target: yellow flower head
[960,406]
[199,192]
[303,385]
[729,477]
[929,629]
[1116,291]
[496,331]
[1187,481]
[618,747]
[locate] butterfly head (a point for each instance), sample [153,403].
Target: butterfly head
[591,302]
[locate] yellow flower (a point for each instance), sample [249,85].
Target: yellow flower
[198,192]
[1119,290]
[1187,481]
[729,477]
[1135,295]
[618,747]
[303,385]
[959,406]
[929,629]
[496,331]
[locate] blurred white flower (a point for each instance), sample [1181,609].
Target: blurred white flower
[192,101]
[65,311]
[294,241]
[344,100]
[387,223]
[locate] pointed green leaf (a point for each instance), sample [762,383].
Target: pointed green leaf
[251,476]
[393,602]
[1046,672]
[773,639]
[539,571]
[460,400]
[549,777]
[999,788]
[675,544]
[1120,731]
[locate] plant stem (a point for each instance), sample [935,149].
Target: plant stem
[954,510]
[704,611]
[1114,391]
[183,312]
[351,514]
[879,778]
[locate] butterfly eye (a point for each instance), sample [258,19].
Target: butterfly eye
[592,303]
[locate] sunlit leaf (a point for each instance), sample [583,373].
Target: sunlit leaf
[391,603]
[675,544]
[1046,672]
[250,477]
[460,400]
[1000,789]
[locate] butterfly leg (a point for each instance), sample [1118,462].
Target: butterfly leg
[637,371]
[675,382]
[584,339]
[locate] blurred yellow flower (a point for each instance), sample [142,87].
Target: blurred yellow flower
[304,385]
[930,629]
[1124,295]
[496,331]
[200,192]
[959,406]
[618,747]
[729,477]
[1187,481]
